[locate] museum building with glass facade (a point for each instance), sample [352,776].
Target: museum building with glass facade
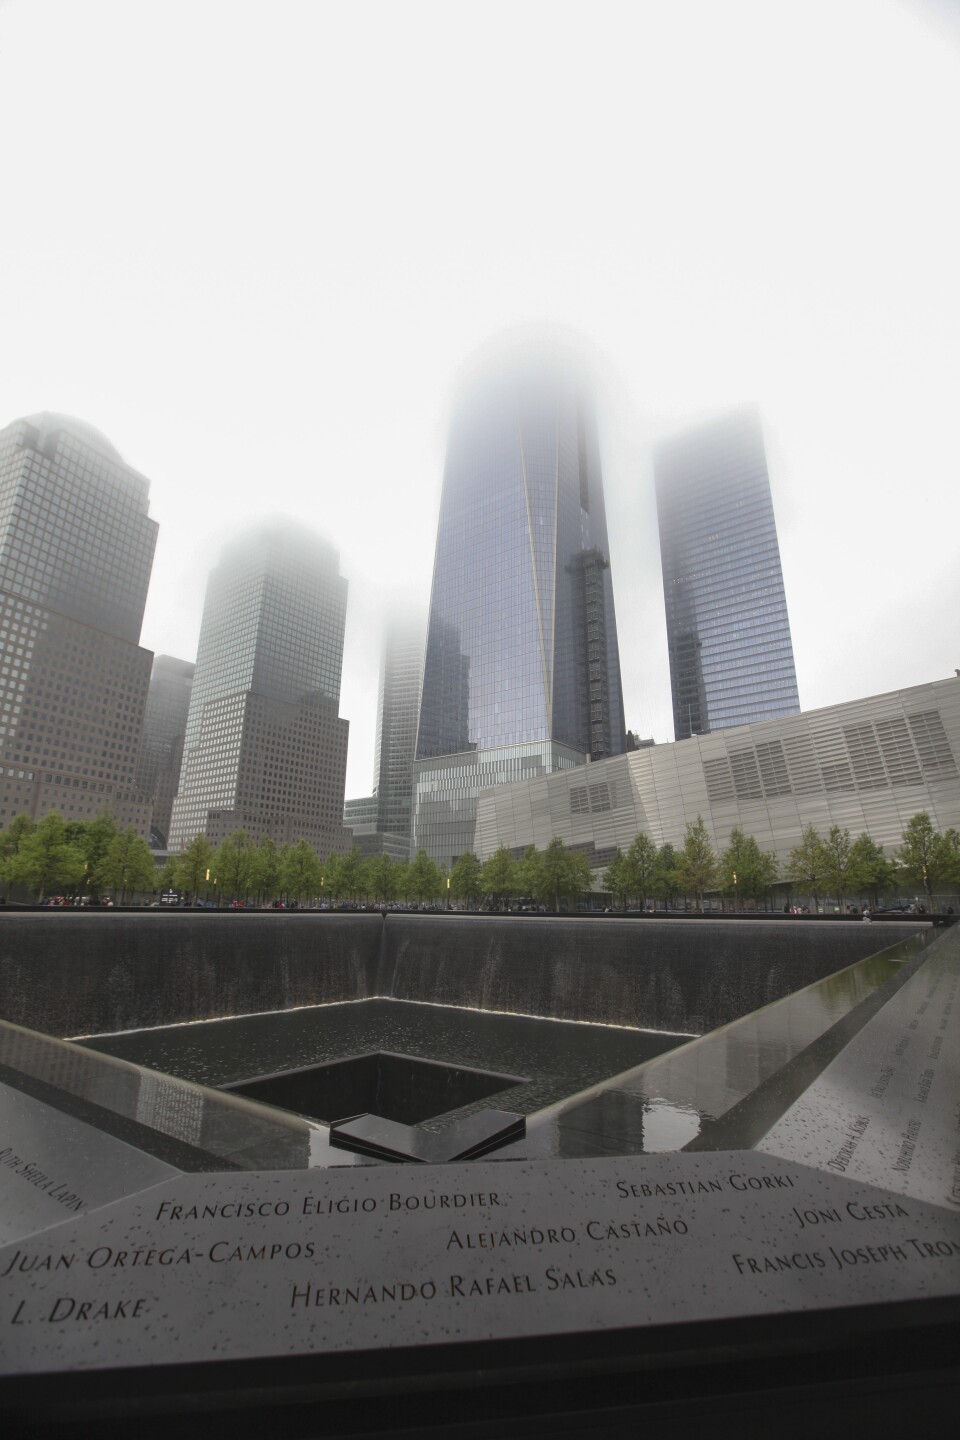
[728,634]
[868,765]
[521,672]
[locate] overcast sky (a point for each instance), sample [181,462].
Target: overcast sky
[254,243]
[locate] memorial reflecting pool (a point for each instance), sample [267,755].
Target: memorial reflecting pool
[552,1058]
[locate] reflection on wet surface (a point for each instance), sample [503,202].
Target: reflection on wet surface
[558,1058]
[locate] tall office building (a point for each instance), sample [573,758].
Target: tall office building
[398,712]
[381,823]
[161,751]
[76,551]
[522,671]
[731,658]
[265,748]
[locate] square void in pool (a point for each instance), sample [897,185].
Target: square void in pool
[397,1087]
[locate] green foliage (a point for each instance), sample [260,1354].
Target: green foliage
[560,874]
[300,871]
[839,868]
[617,877]
[350,878]
[871,871]
[95,839]
[233,865]
[167,879]
[11,838]
[926,857]
[526,872]
[466,878]
[382,878]
[665,881]
[500,875]
[951,855]
[746,871]
[193,867]
[424,878]
[127,865]
[807,863]
[642,868]
[44,860]
[267,869]
[697,867]
[330,875]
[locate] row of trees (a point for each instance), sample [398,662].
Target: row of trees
[91,858]
[841,866]
[240,869]
[95,856]
[53,856]
[835,864]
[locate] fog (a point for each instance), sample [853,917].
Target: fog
[255,245]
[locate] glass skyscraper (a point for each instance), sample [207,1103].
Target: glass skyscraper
[398,711]
[522,671]
[731,657]
[76,551]
[265,749]
[161,752]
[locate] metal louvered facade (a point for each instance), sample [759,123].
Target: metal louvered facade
[869,765]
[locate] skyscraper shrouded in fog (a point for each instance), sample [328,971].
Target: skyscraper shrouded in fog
[522,671]
[161,751]
[76,552]
[398,712]
[265,748]
[728,634]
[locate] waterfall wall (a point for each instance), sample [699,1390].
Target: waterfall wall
[69,973]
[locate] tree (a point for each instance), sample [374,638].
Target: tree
[746,871]
[95,840]
[562,874]
[951,842]
[45,860]
[697,864]
[499,875]
[526,872]
[10,838]
[300,870]
[466,878]
[617,878]
[424,880]
[233,865]
[350,878]
[193,866]
[870,869]
[664,884]
[925,854]
[642,867]
[330,876]
[807,863]
[127,865]
[167,879]
[838,862]
[267,868]
[382,878]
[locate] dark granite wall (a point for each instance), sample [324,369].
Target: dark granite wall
[682,975]
[69,973]
[79,974]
